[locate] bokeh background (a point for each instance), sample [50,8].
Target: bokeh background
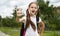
[50,14]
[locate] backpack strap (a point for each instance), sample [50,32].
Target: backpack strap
[22,30]
[37,19]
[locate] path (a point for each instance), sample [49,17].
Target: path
[3,34]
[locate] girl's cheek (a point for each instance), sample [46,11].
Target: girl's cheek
[36,9]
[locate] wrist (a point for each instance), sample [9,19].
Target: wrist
[17,19]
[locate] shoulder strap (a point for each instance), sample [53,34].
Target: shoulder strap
[22,30]
[37,19]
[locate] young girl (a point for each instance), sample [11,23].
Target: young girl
[30,20]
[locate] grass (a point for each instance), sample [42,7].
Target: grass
[51,33]
[16,32]
[10,31]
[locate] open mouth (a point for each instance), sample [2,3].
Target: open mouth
[32,11]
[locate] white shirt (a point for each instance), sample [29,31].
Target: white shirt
[30,31]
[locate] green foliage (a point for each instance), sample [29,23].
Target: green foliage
[0,21]
[9,22]
[49,15]
[14,12]
[16,32]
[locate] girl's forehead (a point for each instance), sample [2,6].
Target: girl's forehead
[33,4]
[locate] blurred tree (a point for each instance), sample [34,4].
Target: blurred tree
[10,22]
[48,14]
[14,12]
[0,21]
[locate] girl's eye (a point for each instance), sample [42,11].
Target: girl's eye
[31,7]
[35,8]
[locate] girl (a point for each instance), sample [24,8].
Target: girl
[31,20]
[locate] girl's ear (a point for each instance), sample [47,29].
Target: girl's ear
[38,7]
[36,12]
[28,10]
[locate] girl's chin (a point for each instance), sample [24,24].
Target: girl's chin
[32,14]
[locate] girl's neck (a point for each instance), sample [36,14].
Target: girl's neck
[32,15]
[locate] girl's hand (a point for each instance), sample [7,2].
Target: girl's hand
[19,12]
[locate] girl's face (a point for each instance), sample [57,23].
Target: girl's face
[33,9]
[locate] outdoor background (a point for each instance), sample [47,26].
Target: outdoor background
[50,14]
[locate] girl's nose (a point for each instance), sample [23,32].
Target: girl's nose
[33,8]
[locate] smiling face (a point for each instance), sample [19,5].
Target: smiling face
[33,9]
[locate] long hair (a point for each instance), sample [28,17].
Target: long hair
[28,20]
[37,18]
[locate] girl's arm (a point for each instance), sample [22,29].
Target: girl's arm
[19,19]
[42,28]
